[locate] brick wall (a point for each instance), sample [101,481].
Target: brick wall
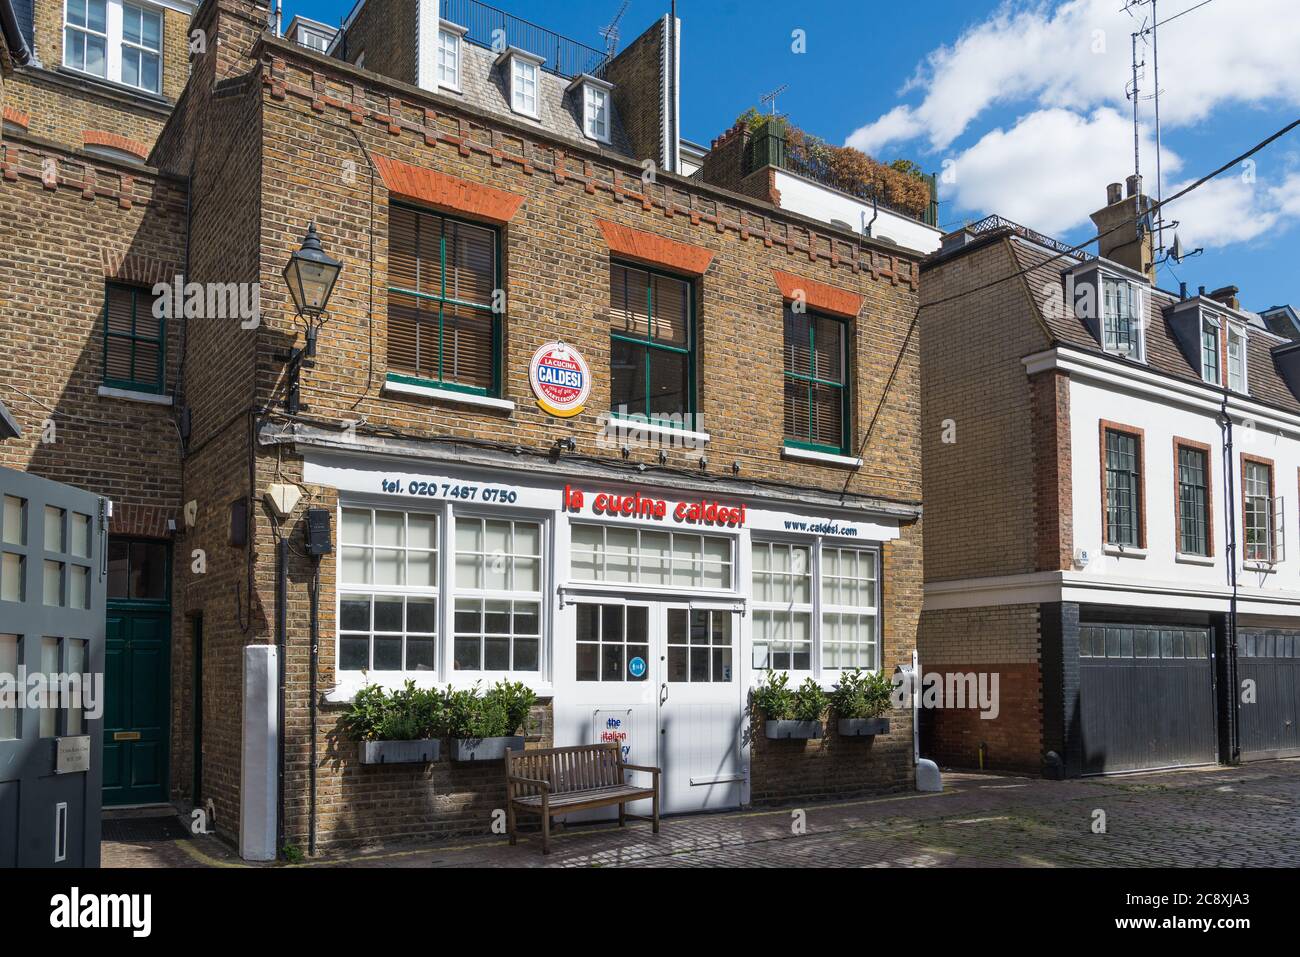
[62,106]
[996,639]
[387,34]
[980,488]
[637,75]
[1053,476]
[271,149]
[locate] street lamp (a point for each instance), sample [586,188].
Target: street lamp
[310,276]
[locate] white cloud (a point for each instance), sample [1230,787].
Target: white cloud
[1050,169]
[1076,55]
[1233,209]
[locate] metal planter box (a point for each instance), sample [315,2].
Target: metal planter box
[400,752]
[484,749]
[863,727]
[780,730]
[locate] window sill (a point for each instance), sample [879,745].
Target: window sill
[1263,568]
[1125,551]
[824,458]
[1194,559]
[449,395]
[129,395]
[620,428]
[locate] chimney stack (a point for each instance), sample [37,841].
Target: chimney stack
[1124,225]
[1228,296]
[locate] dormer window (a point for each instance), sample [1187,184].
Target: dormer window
[1236,358]
[594,102]
[1121,318]
[1210,350]
[524,72]
[449,58]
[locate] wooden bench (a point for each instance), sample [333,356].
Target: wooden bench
[550,781]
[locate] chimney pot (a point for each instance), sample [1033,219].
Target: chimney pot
[1114,193]
[1134,185]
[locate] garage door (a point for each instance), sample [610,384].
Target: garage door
[1146,697]
[1271,660]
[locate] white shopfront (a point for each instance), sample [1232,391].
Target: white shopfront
[646,613]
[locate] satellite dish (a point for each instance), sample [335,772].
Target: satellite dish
[1176,253]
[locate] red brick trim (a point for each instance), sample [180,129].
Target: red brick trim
[136,269]
[1209,496]
[17,117]
[1272,493]
[114,141]
[818,295]
[140,521]
[628,243]
[1140,435]
[447,192]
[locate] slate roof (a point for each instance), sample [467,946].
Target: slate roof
[1163,354]
[486,86]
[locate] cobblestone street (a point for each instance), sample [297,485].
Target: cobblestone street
[1223,817]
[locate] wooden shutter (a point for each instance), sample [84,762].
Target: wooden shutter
[828,348]
[471,263]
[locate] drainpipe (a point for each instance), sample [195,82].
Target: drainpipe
[282,643]
[315,660]
[19,51]
[1225,425]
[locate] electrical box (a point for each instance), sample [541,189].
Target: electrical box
[318,532]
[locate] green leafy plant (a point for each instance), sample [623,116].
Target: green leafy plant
[497,713]
[774,699]
[861,694]
[407,714]
[809,701]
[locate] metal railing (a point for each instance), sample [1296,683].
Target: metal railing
[990,223]
[768,149]
[486,26]
[489,27]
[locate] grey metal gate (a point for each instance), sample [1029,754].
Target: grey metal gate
[1271,660]
[1146,697]
[53,579]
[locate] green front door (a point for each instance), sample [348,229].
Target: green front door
[137,675]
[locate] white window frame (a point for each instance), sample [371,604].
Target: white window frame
[788,610]
[455,33]
[519,63]
[457,593]
[115,41]
[637,585]
[1211,323]
[1236,377]
[374,590]
[825,608]
[597,110]
[1137,307]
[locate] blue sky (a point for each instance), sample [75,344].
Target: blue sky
[1022,103]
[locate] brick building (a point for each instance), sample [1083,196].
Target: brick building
[1108,471]
[542,412]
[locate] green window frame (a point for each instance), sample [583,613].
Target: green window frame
[446,304]
[653,344]
[804,381]
[135,341]
[1193,501]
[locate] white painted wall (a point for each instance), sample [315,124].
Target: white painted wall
[1158,576]
[818,202]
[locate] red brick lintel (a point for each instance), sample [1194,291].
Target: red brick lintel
[818,295]
[656,250]
[447,192]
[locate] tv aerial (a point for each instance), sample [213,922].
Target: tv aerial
[769,99]
[610,34]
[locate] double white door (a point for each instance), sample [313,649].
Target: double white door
[662,678]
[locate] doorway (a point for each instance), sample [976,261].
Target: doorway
[662,678]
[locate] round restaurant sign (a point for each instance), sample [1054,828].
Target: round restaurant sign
[560,379]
